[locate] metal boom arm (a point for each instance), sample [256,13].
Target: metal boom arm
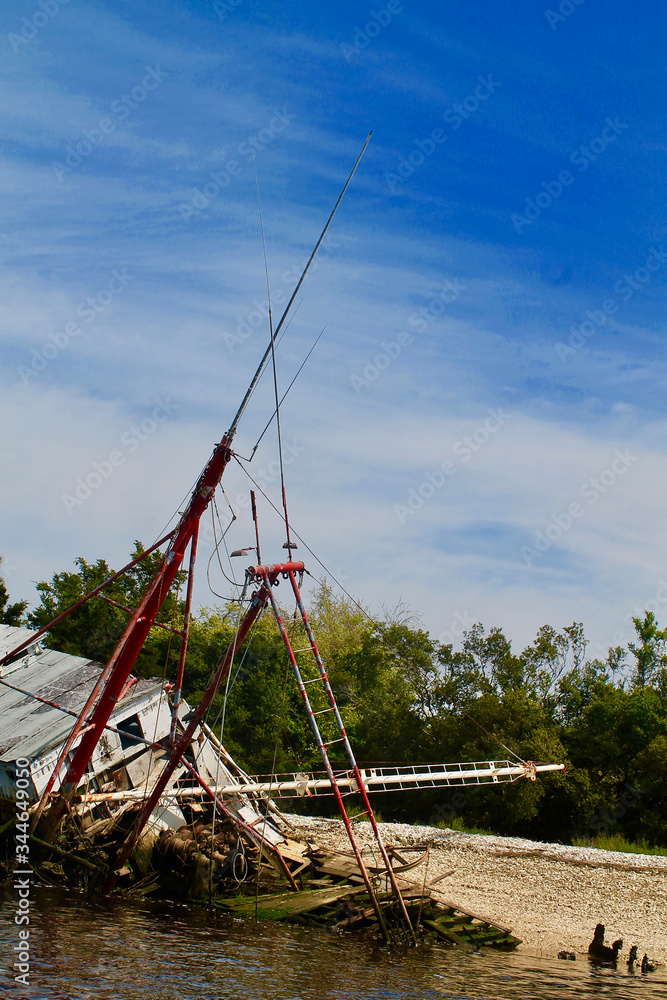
[129,646]
[122,659]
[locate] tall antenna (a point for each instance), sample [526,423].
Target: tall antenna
[256,376]
[112,680]
[288,543]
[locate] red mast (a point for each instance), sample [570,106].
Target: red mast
[124,656]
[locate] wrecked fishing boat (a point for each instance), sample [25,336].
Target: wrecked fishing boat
[126,788]
[215,832]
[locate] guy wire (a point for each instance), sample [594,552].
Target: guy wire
[273,363]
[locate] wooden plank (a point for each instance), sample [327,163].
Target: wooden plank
[280,906]
[143,766]
[440,901]
[439,878]
[449,935]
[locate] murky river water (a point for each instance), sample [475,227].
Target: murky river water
[129,951]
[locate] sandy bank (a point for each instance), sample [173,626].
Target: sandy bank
[550,895]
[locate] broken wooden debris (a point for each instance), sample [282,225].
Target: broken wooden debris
[282,906]
[346,906]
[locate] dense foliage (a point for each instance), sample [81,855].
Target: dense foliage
[406,698]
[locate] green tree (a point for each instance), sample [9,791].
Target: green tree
[10,614]
[650,652]
[94,629]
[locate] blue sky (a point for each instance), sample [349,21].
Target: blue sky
[480,431]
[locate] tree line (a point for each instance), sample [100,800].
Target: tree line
[406,698]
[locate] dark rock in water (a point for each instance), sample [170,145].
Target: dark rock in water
[632,957]
[567,955]
[646,965]
[601,952]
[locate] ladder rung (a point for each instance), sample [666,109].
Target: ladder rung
[331,742]
[303,649]
[359,815]
[322,711]
[312,680]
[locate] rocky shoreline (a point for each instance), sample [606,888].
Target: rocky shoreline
[551,895]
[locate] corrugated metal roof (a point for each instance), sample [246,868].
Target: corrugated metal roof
[28,728]
[10,638]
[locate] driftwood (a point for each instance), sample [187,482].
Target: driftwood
[65,854]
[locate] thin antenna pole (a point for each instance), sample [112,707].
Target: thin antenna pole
[251,387]
[284,395]
[266,265]
[275,371]
[256,522]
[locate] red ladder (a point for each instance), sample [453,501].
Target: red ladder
[323,746]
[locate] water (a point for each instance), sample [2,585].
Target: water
[125,950]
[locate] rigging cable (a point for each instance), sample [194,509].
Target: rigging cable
[219,754]
[360,606]
[275,373]
[253,384]
[216,549]
[284,395]
[268,794]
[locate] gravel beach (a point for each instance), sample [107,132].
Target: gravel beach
[550,895]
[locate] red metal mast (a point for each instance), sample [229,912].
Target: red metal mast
[270,574]
[143,618]
[125,654]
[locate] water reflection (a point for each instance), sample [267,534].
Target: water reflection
[125,950]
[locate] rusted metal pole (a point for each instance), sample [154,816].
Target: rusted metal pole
[128,648]
[185,634]
[257,602]
[82,600]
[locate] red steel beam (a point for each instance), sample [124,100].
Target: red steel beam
[268,574]
[129,646]
[185,636]
[82,600]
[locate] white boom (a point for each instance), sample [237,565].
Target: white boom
[378,779]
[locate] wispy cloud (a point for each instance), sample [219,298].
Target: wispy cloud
[449,224]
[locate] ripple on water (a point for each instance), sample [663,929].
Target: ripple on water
[124,950]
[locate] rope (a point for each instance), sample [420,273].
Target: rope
[494,737]
[162,692]
[268,794]
[253,385]
[219,754]
[287,390]
[360,606]
[216,550]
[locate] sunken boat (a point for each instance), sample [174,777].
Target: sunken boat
[115,784]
